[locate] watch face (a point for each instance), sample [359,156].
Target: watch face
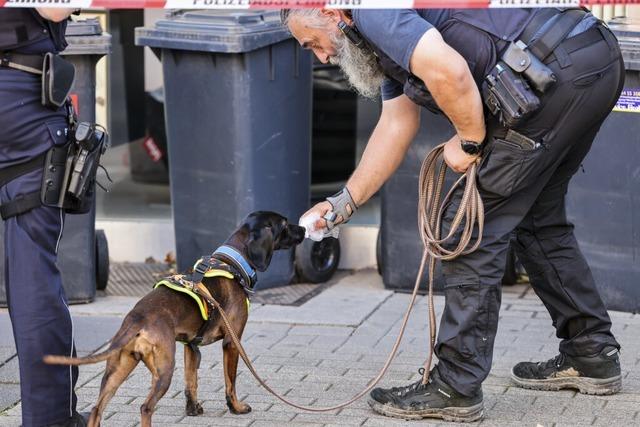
[471,147]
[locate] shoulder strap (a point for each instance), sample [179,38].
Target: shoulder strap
[547,43]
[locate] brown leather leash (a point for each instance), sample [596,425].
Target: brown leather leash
[430,211]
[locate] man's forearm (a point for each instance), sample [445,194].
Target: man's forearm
[384,153]
[55,14]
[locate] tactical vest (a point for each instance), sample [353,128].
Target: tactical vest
[23,27]
[478,35]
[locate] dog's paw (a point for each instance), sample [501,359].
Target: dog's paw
[194,409]
[239,408]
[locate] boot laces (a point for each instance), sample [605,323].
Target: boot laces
[556,362]
[401,391]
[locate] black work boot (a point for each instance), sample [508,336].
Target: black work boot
[597,374]
[77,420]
[432,400]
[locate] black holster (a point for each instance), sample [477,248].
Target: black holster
[69,176]
[508,96]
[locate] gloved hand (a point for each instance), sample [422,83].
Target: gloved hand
[324,217]
[315,228]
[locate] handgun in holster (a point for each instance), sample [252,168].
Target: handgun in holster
[70,170]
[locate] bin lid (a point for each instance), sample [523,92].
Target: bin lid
[627,30]
[85,37]
[215,31]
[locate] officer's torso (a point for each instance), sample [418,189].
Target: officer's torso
[24,31]
[478,35]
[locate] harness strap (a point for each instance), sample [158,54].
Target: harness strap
[201,289]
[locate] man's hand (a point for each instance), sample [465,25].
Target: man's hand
[320,209]
[456,158]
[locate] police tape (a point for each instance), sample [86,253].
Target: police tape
[299,4]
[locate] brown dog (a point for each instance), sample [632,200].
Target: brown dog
[150,330]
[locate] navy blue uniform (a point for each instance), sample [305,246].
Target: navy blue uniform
[37,305]
[522,190]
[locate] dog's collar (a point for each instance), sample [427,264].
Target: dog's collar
[234,258]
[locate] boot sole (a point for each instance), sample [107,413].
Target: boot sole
[585,385]
[465,414]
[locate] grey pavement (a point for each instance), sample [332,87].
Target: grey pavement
[326,350]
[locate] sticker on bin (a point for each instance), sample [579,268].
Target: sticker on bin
[304,4]
[629,101]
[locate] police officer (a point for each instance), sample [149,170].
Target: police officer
[439,59]
[37,305]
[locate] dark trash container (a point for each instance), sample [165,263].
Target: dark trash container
[335,118]
[604,198]
[399,245]
[238,118]
[77,254]
[148,158]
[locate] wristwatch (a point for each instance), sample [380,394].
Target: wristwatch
[470,147]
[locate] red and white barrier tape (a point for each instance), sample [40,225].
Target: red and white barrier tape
[278,4]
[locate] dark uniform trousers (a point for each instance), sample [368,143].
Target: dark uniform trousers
[37,304]
[524,190]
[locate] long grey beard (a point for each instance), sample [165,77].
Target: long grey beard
[359,65]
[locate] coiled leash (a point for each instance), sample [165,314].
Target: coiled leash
[430,211]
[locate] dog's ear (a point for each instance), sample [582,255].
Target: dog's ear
[260,247]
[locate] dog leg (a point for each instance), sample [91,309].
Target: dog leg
[161,363]
[119,366]
[191,362]
[230,360]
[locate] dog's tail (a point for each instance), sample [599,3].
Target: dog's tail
[117,343]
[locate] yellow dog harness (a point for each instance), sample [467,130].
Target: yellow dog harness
[180,283]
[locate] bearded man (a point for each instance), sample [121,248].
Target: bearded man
[568,76]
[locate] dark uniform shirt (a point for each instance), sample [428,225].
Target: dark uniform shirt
[397,31]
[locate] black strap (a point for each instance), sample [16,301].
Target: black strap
[200,269]
[197,340]
[10,173]
[586,38]
[33,63]
[562,26]
[20,205]
[541,17]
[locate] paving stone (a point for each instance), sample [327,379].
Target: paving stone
[322,361]
[325,418]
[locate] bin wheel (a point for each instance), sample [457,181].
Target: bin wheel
[102,260]
[317,261]
[379,251]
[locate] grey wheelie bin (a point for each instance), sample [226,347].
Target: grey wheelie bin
[80,247]
[604,197]
[238,117]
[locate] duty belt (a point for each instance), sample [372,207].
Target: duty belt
[27,63]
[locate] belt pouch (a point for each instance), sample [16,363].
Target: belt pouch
[57,79]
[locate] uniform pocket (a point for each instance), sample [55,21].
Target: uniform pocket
[506,167]
[469,321]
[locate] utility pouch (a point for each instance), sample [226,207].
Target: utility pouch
[521,60]
[57,78]
[508,96]
[70,171]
